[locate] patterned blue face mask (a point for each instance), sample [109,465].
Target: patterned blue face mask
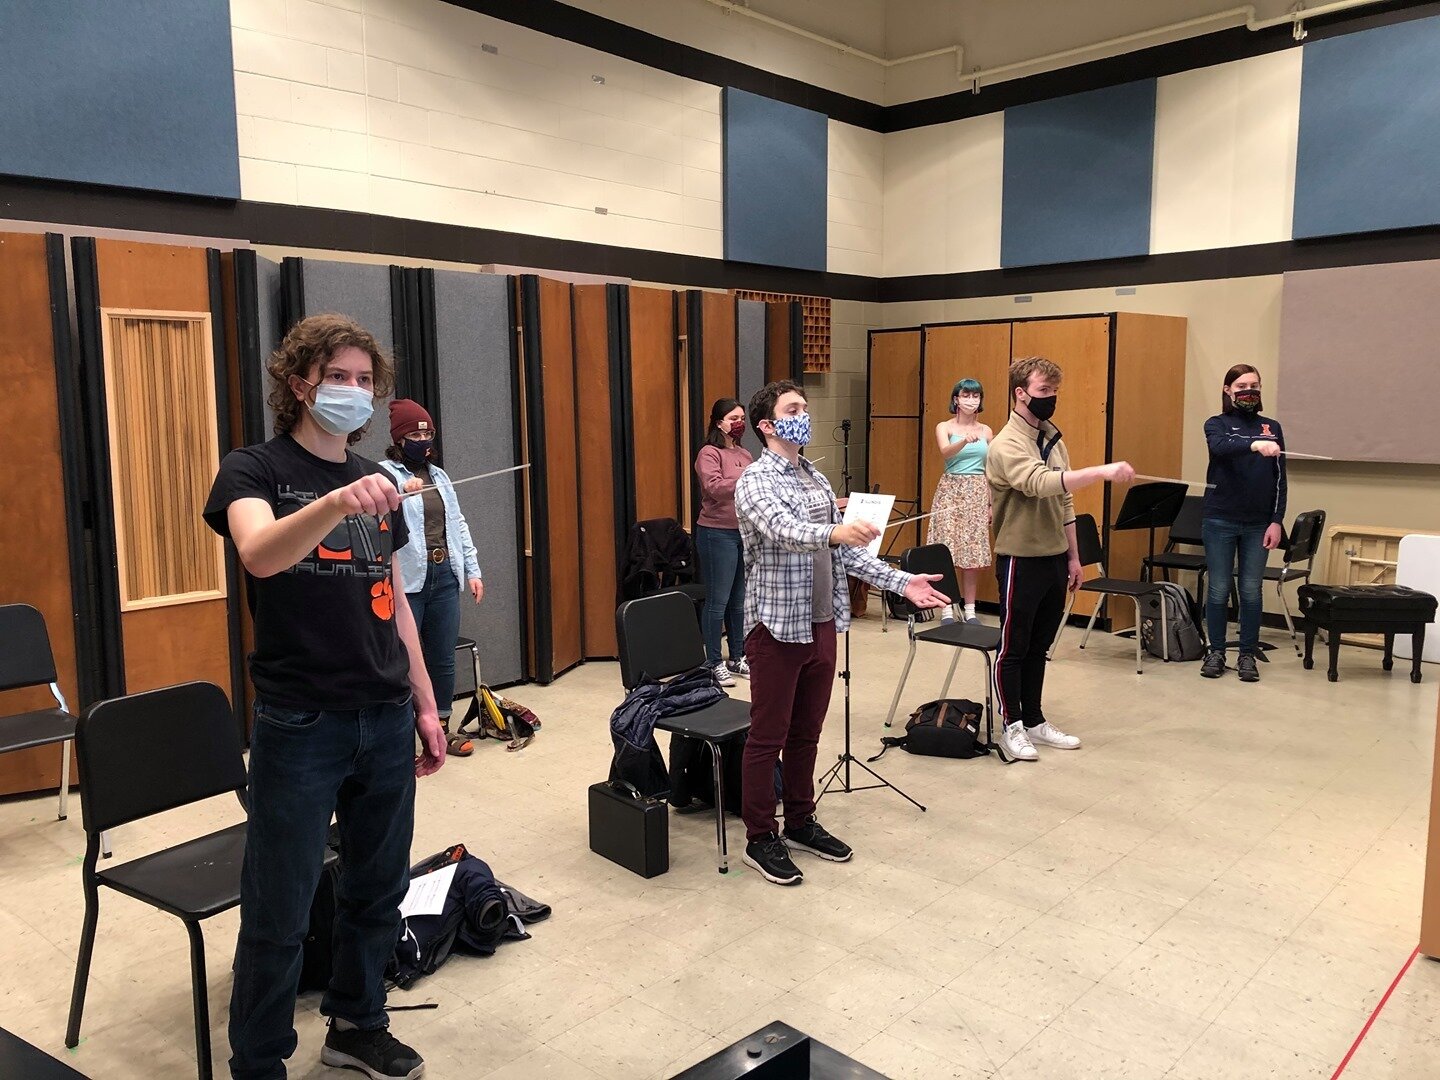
[793,429]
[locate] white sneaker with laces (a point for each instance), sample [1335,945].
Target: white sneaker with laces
[1016,743]
[740,668]
[722,675]
[1047,734]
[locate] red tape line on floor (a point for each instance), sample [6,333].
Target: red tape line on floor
[1374,1015]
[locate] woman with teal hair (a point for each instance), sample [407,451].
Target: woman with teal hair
[960,511]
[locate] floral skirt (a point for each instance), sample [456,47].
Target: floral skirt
[960,519]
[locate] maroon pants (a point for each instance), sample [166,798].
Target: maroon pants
[790,686]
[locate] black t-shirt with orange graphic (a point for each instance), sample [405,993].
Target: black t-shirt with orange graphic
[325,635]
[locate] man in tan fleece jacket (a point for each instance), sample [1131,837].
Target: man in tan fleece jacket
[1036,558]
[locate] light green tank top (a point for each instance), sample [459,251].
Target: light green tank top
[969,461]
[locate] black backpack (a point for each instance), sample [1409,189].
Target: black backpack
[947,727]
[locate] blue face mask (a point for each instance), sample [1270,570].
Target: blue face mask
[341,410]
[416,450]
[793,429]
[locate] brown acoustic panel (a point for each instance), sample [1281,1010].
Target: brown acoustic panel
[561,529]
[1354,342]
[720,365]
[780,341]
[34,558]
[597,469]
[893,449]
[895,373]
[661,459]
[180,645]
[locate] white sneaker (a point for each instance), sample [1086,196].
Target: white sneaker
[1015,742]
[1047,734]
[740,668]
[722,675]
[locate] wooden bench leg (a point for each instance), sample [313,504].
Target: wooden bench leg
[1309,661]
[1334,673]
[1417,646]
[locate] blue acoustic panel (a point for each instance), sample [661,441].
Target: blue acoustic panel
[1077,177]
[1369,153]
[776,165]
[130,93]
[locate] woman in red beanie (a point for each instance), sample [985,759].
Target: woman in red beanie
[439,557]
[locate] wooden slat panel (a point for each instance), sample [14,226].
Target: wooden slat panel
[561,530]
[34,558]
[597,469]
[893,448]
[721,363]
[656,405]
[895,373]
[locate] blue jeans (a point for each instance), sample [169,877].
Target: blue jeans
[436,608]
[304,766]
[723,571]
[1224,541]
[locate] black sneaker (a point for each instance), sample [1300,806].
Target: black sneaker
[769,855]
[376,1053]
[813,838]
[1214,665]
[1249,670]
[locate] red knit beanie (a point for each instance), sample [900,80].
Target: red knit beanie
[407,416]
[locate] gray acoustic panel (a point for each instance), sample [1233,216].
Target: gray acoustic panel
[267,295]
[472,337]
[361,291]
[750,347]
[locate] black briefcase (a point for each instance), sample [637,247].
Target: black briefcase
[633,832]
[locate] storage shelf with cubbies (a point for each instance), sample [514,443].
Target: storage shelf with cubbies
[815,326]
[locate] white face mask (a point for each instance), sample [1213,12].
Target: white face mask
[969,405]
[341,410]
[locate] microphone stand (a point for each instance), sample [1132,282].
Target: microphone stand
[832,776]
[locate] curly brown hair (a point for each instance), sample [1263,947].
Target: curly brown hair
[315,340]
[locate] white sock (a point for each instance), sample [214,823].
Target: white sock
[969,611]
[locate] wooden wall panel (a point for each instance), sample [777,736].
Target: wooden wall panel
[893,448]
[895,373]
[597,469]
[720,367]
[781,346]
[656,410]
[34,556]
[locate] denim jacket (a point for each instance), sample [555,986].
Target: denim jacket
[412,558]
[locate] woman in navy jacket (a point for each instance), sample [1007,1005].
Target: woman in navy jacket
[1244,511]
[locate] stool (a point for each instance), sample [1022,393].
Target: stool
[1366,609]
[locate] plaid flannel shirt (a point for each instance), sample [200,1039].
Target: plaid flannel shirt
[780,541]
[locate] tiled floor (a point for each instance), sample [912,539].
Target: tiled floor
[1221,884]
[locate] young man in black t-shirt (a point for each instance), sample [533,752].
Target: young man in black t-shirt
[341,692]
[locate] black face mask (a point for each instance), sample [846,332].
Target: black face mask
[1042,408]
[415,451]
[1247,401]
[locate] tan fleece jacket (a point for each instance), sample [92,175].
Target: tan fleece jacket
[1030,506]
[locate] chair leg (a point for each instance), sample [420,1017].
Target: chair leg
[1069,605]
[715,764]
[904,674]
[989,698]
[64,779]
[1289,620]
[200,992]
[1104,599]
[945,690]
[82,964]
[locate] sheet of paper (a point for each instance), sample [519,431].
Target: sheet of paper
[427,893]
[868,506]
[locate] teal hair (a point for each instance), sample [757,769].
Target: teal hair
[968,386]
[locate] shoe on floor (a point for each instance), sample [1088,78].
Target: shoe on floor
[769,855]
[378,1054]
[1047,734]
[1214,665]
[813,838]
[973,620]
[722,675]
[1249,670]
[1015,743]
[740,668]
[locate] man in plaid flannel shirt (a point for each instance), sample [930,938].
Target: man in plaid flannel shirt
[797,556]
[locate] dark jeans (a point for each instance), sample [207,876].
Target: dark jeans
[790,687]
[1225,541]
[304,766]
[722,569]
[436,607]
[1032,603]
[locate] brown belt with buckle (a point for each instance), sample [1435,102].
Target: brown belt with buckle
[438,555]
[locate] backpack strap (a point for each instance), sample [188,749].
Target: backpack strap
[887,743]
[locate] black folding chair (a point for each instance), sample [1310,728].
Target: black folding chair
[139,756]
[1185,531]
[935,559]
[1302,547]
[1087,540]
[660,638]
[26,660]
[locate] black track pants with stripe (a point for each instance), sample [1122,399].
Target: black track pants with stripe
[1032,603]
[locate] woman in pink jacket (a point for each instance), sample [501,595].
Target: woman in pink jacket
[717,538]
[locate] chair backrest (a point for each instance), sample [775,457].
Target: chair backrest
[1087,540]
[929,559]
[25,657]
[1189,522]
[658,637]
[1305,536]
[148,753]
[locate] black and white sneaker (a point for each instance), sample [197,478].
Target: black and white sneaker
[376,1053]
[1214,665]
[1248,669]
[813,838]
[771,858]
